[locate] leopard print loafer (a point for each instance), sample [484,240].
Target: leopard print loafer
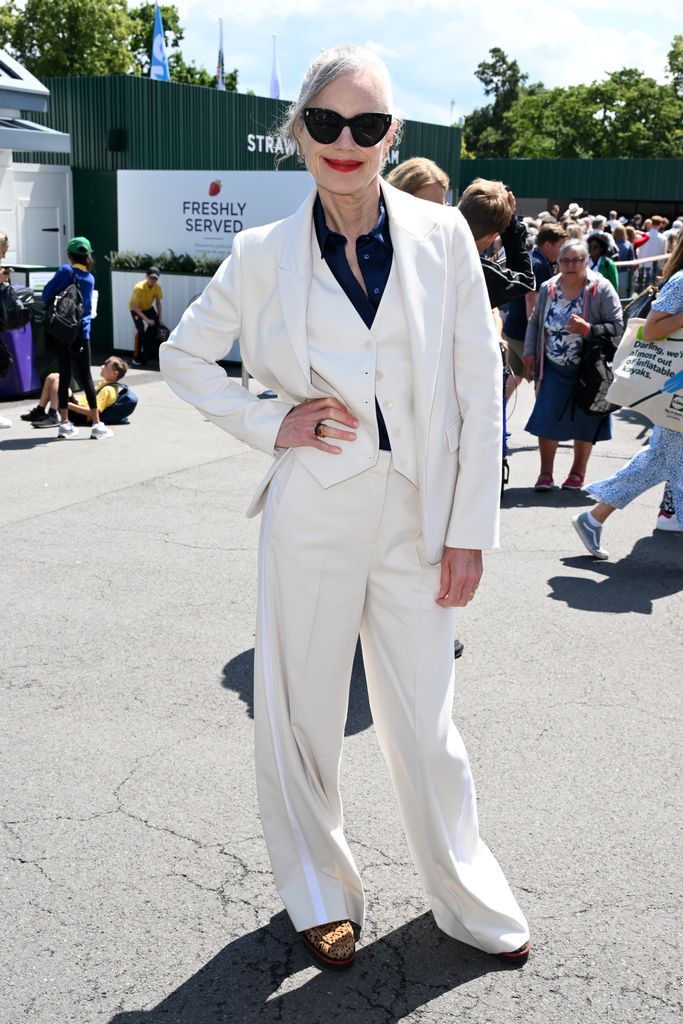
[332,945]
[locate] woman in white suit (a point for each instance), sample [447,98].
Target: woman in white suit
[366,312]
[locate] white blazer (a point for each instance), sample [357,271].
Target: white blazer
[260,295]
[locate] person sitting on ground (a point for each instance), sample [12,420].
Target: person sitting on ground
[145,309]
[598,249]
[112,370]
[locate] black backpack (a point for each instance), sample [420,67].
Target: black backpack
[15,307]
[64,317]
[124,406]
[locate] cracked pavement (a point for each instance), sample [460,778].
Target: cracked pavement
[136,886]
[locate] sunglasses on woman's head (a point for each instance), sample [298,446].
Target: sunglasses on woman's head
[325,126]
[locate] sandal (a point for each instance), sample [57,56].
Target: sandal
[574,482]
[545,482]
[332,945]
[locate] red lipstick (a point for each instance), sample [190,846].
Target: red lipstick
[343,166]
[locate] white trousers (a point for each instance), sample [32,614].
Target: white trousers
[334,563]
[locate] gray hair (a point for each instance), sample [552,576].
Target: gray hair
[328,66]
[574,245]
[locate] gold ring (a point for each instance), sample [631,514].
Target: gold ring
[472,594]
[319,430]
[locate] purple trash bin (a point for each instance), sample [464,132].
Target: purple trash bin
[22,378]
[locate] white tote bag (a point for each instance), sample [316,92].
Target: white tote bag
[648,376]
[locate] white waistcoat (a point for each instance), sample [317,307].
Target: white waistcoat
[356,363]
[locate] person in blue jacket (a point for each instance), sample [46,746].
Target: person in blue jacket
[77,356]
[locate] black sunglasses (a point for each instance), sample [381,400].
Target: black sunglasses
[326,126]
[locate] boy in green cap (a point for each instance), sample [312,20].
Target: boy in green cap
[76,356]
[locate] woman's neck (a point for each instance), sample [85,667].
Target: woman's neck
[351,215]
[570,289]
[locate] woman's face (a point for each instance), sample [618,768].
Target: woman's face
[4,246]
[595,251]
[433,193]
[342,167]
[572,266]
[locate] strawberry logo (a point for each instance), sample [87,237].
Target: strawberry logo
[215,187]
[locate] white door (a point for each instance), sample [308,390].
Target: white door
[42,233]
[44,205]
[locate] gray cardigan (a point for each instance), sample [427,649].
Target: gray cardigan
[602,310]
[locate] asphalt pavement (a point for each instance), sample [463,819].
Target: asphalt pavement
[136,886]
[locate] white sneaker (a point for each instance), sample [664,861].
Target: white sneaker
[100,431]
[4,422]
[67,431]
[669,523]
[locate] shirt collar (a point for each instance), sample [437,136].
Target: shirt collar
[80,266]
[380,232]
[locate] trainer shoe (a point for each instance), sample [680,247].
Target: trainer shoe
[590,535]
[34,415]
[48,419]
[100,431]
[668,523]
[4,422]
[67,431]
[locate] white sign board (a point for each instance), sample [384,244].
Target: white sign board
[200,212]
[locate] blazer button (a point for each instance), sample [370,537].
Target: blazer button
[367,344]
[379,375]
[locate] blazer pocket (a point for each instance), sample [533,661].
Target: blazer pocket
[453,435]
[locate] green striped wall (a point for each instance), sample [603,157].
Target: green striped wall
[584,180]
[185,127]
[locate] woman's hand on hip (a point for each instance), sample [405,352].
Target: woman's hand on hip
[461,570]
[298,428]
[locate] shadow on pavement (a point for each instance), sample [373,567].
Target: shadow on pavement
[527,497]
[18,444]
[636,419]
[238,675]
[651,571]
[392,977]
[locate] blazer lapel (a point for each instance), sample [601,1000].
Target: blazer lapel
[294,280]
[422,268]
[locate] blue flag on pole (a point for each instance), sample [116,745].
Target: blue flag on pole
[275,84]
[159,68]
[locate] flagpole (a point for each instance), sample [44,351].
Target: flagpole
[275,83]
[220,70]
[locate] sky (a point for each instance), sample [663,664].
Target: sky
[432,47]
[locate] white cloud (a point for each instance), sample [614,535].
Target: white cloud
[432,47]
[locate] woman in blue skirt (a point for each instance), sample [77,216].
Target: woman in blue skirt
[574,305]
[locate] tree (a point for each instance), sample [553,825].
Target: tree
[69,37]
[60,38]
[675,65]
[141,45]
[486,133]
[626,115]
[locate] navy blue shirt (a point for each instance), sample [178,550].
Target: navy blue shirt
[62,279]
[375,253]
[515,318]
